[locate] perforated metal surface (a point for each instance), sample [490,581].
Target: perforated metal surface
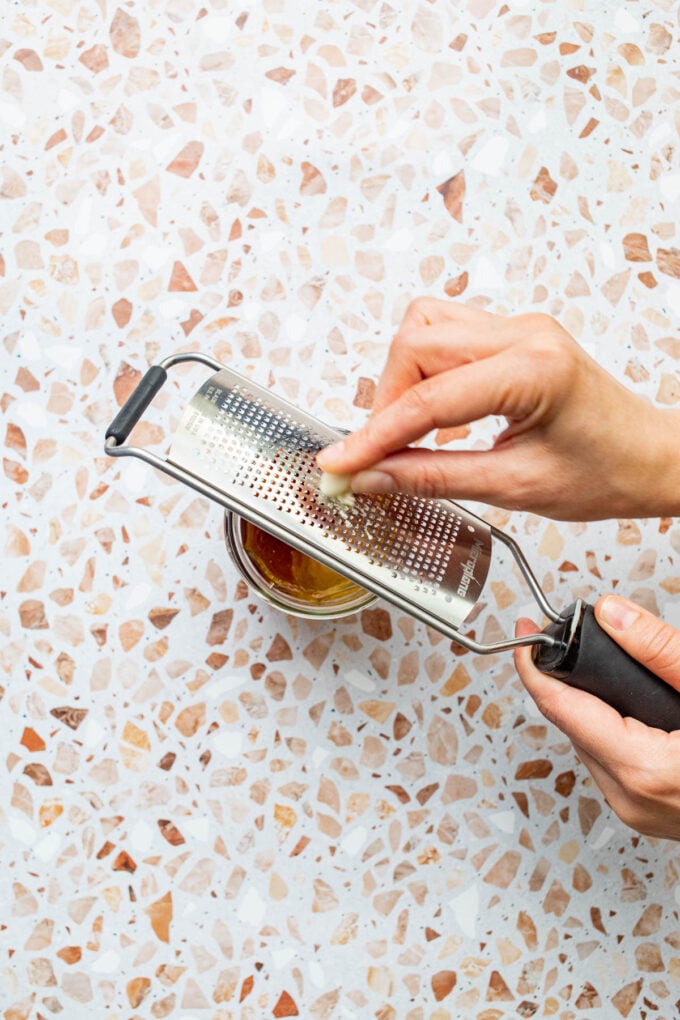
[259,451]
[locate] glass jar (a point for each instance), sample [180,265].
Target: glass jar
[289,579]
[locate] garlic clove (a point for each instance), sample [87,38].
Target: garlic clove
[335,486]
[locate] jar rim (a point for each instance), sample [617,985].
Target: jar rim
[284,601]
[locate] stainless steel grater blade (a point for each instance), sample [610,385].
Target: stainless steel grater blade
[261,452]
[255,453]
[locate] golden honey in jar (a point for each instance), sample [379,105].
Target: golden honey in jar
[288,578]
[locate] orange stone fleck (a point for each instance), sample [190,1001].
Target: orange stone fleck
[124,862]
[129,633]
[443,983]
[31,740]
[121,311]
[29,59]
[246,987]
[70,954]
[160,916]
[134,735]
[126,379]
[190,719]
[95,59]
[49,812]
[137,990]
[313,182]
[285,1006]
[186,161]
[544,186]
[180,279]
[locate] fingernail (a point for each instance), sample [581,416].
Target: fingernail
[325,457]
[620,615]
[373,481]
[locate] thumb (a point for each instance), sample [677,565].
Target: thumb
[644,636]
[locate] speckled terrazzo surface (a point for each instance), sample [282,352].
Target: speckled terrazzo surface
[211,809]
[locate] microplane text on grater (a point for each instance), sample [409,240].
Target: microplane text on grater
[254,453]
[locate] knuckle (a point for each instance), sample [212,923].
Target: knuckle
[662,651]
[402,341]
[418,309]
[552,355]
[430,481]
[416,403]
[540,324]
[544,335]
[522,488]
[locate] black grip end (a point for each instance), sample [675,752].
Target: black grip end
[587,658]
[136,404]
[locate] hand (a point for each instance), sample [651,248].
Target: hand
[637,768]
[577,444]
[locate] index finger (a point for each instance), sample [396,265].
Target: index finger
[496,385]
[418,352]
[428,311]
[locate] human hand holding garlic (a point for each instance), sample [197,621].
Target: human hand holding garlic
[577,445]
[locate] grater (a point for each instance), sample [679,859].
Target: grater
[254,453]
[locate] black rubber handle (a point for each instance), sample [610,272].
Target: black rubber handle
[593,662]
[136,404]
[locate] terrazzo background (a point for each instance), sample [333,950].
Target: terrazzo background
[210,809]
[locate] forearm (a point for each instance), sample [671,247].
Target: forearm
[656,488]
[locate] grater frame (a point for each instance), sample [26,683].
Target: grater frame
[116,446]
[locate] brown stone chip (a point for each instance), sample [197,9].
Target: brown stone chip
[497,990]
[453,193]
[544,186]
[456,285]
[279,649]
[161,618]
[170,832]
[443,983]
[377,623]
[626,997]
[124,862]
[32,615]
[38,773]
[219,626]
[69,716]
[668,261]
[564,783]
[537,769]
[365,393]
[636,249]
